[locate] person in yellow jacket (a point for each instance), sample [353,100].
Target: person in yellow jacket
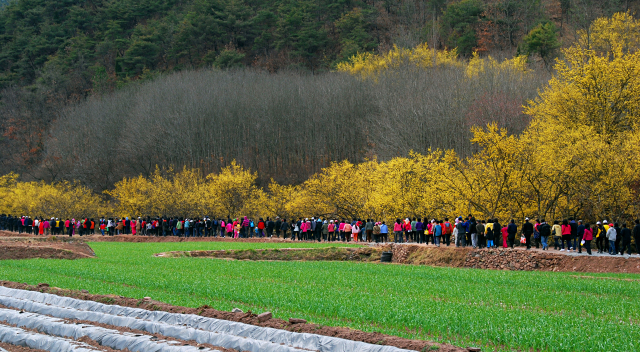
[556,231]
[599,233]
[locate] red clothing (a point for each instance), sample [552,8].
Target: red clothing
[505,234]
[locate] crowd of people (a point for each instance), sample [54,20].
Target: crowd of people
[566,235]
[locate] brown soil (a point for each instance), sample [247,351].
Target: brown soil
[13,234]
[247,318]
[497,259]
[434,256]
[586,264]
[364,254]
[26,248]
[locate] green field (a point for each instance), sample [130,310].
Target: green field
[497,309]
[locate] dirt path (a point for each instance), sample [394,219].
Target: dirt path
[496,259]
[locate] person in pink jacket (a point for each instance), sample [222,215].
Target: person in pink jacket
[355,230]
[587,237]
[505,234]
[303,230]
[229,229]
[347,231]
[341,231]
[397,231]
[46,226]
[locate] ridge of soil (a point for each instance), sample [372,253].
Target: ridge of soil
[18,248]
[247,318]
[365,254]
[496,259]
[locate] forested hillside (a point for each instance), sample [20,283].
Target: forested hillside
[103,42]
[58,53]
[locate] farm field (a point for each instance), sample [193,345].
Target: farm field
[504,310]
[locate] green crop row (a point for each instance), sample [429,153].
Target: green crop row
[501,310]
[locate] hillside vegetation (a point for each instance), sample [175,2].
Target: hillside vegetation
[56,53]
[572,154]
[546,131]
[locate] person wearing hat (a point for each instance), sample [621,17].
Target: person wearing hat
[611,236]
[376,232]
[599,235]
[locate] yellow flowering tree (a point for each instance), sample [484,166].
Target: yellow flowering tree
[233,191]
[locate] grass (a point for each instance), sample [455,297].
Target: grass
[491,309]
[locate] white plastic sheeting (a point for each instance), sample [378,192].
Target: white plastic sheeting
[20,337]
[178,332]
[187,326]
[105,337]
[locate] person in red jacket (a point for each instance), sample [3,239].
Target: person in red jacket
[261,227]
[587,237]
[505,234]
[447,229]
[407,229]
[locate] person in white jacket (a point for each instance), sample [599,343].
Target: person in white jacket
[611,236]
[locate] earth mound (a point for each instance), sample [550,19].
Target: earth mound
[495,259]
[47,248]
